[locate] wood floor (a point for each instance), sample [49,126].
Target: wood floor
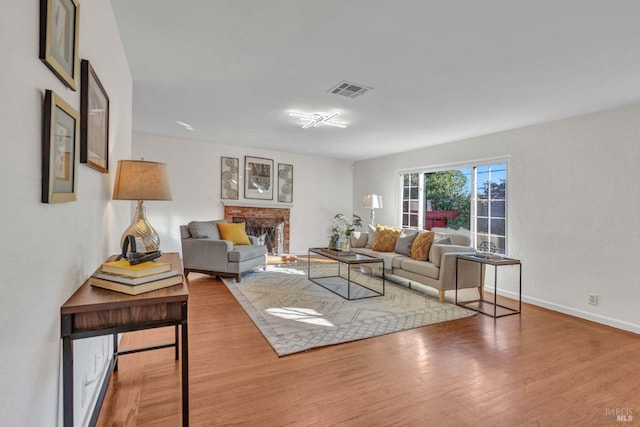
[538,369]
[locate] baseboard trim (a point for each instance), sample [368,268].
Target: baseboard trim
[608,321]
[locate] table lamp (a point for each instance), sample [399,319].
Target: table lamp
[141,180]
[372,201]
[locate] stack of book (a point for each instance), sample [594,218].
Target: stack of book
[149,276]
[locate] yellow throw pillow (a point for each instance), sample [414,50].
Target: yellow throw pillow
[234,232]
[385,240]
[421,245]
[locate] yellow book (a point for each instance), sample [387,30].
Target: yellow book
[123,267]
[137,289]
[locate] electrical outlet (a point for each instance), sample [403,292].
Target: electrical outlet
[593,299]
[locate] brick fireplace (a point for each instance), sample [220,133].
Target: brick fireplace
[273,221]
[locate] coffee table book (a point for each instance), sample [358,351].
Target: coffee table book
[127,280]
[137,289]
[123,267]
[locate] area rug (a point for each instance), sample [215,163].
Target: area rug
[295,314]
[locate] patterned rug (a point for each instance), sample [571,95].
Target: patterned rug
[295,314]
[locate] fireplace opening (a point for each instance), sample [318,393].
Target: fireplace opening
[269,229]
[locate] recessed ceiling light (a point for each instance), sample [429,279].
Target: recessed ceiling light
[187,126]
[318,119]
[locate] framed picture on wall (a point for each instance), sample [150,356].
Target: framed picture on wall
[285,183]
[59,25]
[258,178]
[94,120]
[229,171]
[61,127]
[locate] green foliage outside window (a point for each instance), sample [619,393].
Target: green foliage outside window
[449,191]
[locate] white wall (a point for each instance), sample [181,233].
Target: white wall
[574,197]
[48,250]
[322,187]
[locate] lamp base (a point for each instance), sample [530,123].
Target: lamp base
[141,230]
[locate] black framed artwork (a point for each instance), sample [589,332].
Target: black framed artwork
[258,178]
[94,120]
[60,130]
[59,27]
[285,183]
[229,172]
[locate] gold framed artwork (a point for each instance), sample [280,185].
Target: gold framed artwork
[258,178]
[285,183]
[229,171]
[59,27]
[94,120]
[60,130]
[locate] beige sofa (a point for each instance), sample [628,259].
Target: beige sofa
[438,271]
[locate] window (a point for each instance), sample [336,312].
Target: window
[472,197]
[411,192]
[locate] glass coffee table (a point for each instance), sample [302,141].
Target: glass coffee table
[352,284]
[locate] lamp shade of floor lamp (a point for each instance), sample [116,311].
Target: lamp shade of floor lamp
[372,202]
[142,180]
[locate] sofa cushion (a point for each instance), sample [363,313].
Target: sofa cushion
[358,239]
[235,233]
[385,240]
[421,245]
[387,257]
[397,260]
[404,241]
[204,229]
[421,267]
[246,252]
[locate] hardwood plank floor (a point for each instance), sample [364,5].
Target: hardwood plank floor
[541,368]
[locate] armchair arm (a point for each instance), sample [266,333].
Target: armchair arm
[205,254]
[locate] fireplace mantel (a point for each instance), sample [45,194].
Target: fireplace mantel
[256,204]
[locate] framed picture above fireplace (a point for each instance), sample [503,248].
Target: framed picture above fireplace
[258,178]
[285,183]
[229,170]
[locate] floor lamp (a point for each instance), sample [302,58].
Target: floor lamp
[372,202]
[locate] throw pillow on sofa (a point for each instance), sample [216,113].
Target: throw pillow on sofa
[385,240]
[371,237]
[404,241]
[421,245]
[235,233]
[204,229]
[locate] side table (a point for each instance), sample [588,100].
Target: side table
[92,311]
[478,304]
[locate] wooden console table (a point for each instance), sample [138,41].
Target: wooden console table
[92,311]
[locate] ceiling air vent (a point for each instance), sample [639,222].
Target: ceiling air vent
[350,90]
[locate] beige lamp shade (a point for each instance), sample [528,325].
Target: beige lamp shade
[141,180]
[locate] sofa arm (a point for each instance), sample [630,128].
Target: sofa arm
[205,254]
[358,239]
[469,271]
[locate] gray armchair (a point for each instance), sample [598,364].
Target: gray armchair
[203,251]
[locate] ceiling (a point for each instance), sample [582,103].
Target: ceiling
[440,70]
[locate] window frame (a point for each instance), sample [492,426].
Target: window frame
[474,165]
